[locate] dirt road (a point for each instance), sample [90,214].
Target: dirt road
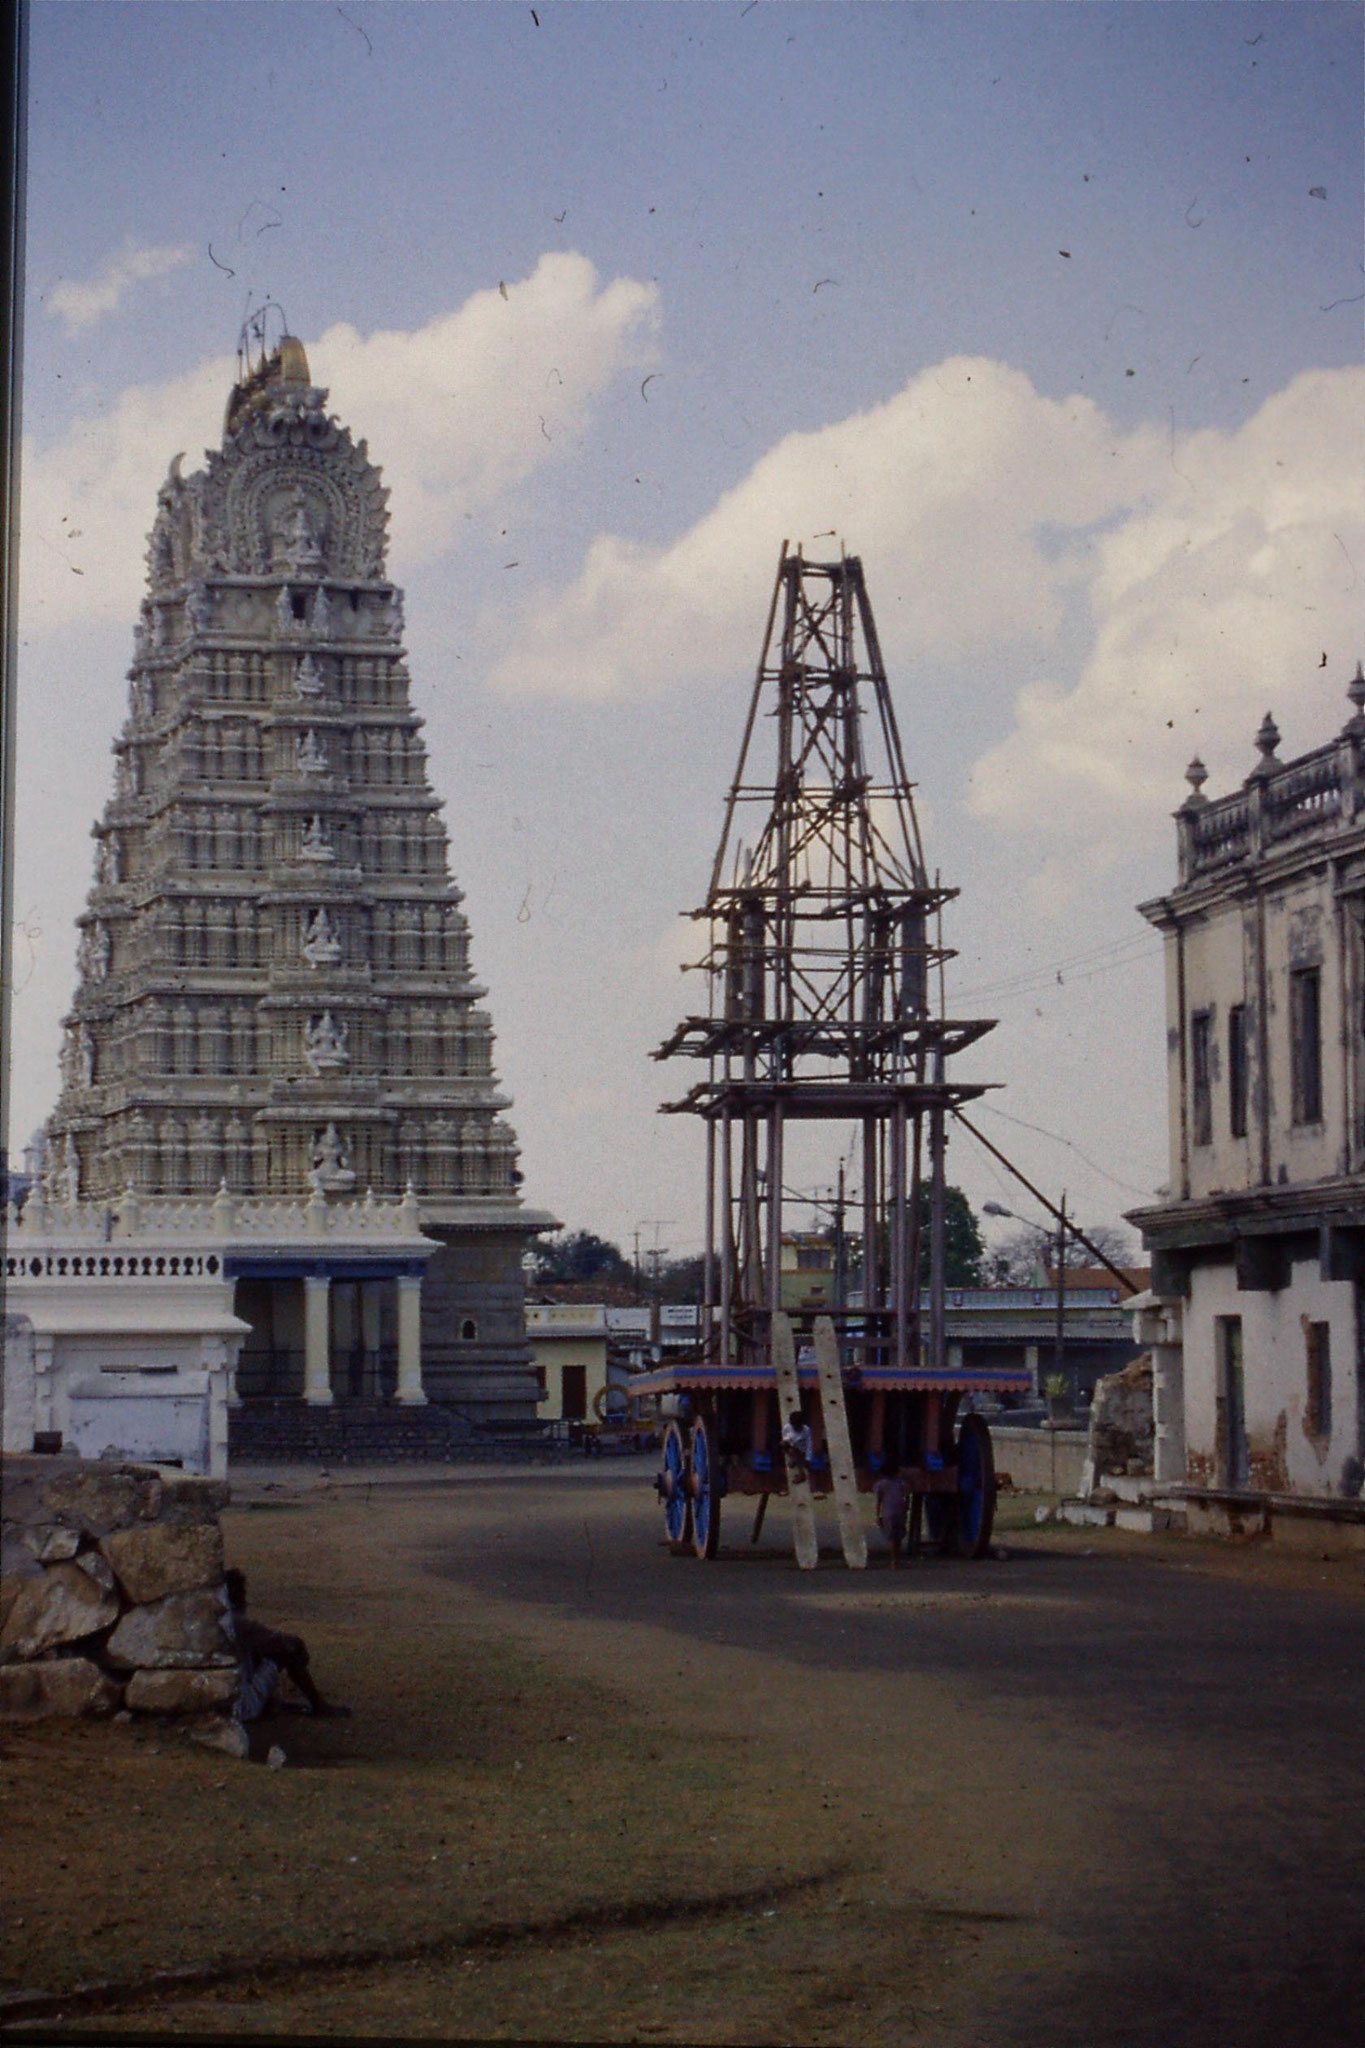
[1102,1790]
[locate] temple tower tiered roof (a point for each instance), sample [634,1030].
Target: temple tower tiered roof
[274,994]
[274,982]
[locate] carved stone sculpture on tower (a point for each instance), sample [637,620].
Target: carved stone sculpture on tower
[324,1044]
[67,1181]
[302,553]
[330,1172]
[309,680]
[316,845]
[321,946]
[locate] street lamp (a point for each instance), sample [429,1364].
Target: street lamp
[1059,1342]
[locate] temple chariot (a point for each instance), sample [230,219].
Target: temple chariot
[824,972]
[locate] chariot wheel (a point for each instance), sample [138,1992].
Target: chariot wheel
[975,1488]
[705,1490]
[671,1486]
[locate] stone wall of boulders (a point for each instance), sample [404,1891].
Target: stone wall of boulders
[111,1590]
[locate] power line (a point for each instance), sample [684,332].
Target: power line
[1079,967]
[1058,1139]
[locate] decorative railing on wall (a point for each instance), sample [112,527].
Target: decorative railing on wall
[1281,802]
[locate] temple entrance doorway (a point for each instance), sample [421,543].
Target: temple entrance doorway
[364,1340]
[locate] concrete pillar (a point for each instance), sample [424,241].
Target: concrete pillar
[44,1381]
[1031,1366]
[954,1358]
[217,1360]
[410,1340]
[317,1345]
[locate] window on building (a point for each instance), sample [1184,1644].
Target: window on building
[1319,1416]
[1305,1037]
[1237,1070]
[1201,1101]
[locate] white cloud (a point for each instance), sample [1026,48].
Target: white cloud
[1217,599]
[953,491]
[465,408]
[1212,569]
[80,304]
[87,501]
[456,412]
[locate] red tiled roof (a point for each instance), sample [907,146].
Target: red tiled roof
[1100,1276]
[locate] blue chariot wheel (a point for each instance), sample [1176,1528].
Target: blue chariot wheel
[975,1488]
[706,1485]
[671,1485]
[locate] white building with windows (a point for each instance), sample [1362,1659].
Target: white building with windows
[1255,1315]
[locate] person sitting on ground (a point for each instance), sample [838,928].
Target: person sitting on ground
[797,1440]
[892,1496]
[263,1655]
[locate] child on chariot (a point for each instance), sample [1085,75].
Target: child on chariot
[797,1441]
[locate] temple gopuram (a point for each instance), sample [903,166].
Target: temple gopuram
[277,1048]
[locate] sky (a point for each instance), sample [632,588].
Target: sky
[1051,313]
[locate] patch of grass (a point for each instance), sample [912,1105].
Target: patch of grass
[477,1785]
[1018,1511]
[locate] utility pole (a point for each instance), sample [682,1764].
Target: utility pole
[938,1265]
[1059,1349]
[657,1253]
[1058,1363]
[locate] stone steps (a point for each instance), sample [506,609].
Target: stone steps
[374,1433]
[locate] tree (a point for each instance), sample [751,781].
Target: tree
[1116,1245]
[578,1256]
[682,1280]
[963,1247]
[1024,1257]
[964,1251]
[1018,1260]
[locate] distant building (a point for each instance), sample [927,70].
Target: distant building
[1012,1326]
[986,1327]
[568,1342]
[1256,1309]
[809,1262]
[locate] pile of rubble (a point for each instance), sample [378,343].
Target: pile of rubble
[111,1591]
[1118,1489]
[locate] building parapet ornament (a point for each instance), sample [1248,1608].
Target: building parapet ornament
[1281,803]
